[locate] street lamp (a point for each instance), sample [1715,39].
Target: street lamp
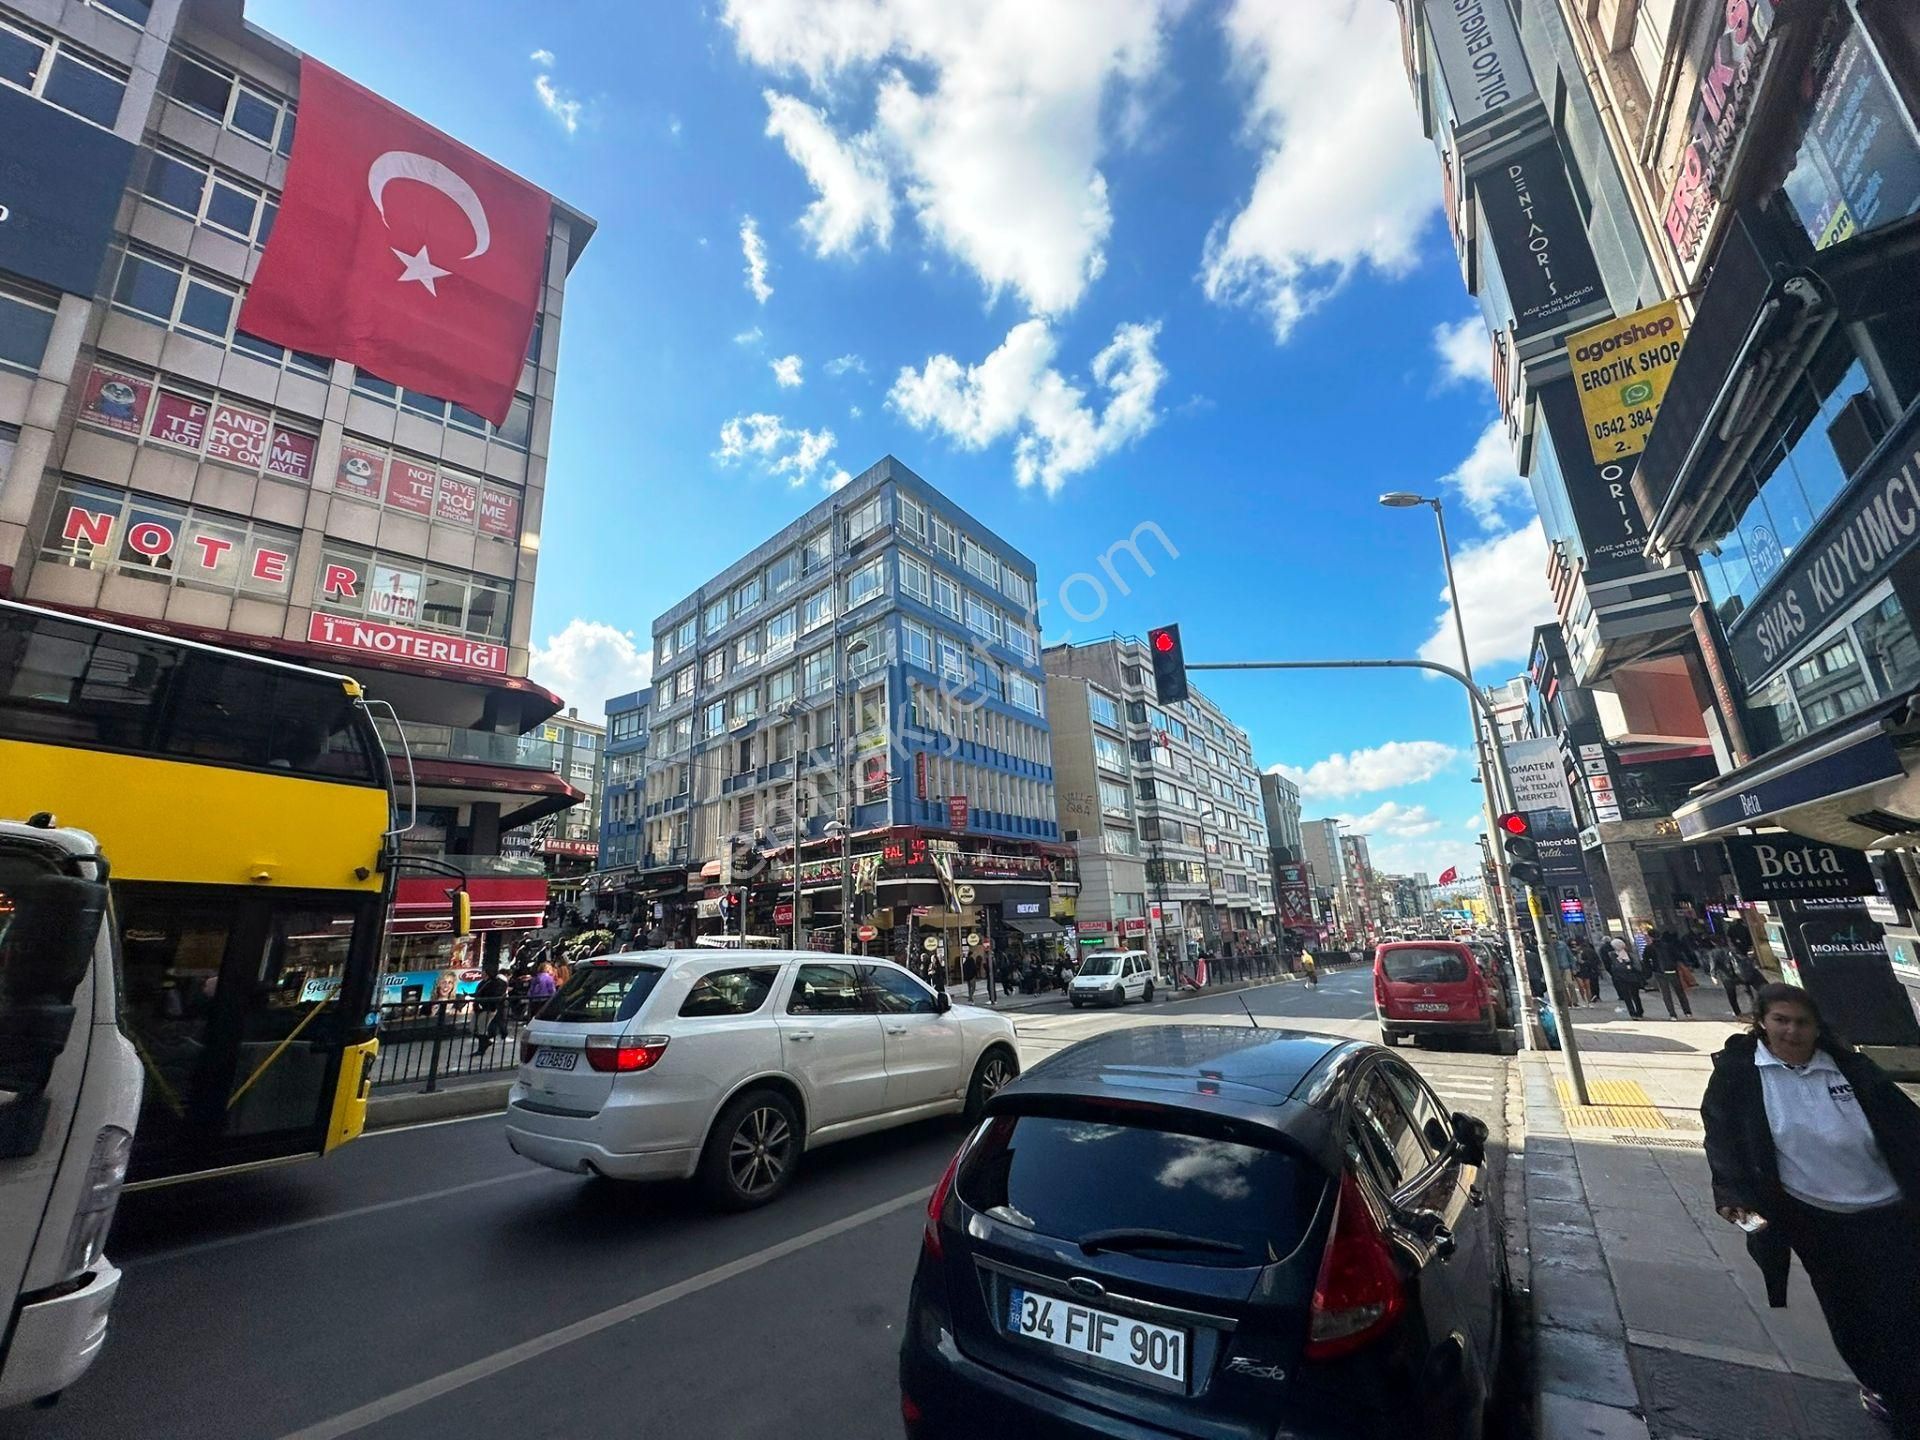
[1489,772]
[794,711]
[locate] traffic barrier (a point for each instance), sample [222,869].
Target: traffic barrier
[431,1042]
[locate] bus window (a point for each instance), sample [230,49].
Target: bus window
[80,686]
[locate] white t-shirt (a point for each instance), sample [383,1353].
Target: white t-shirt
[1828,1156]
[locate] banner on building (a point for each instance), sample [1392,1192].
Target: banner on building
[1620,371]
[1724,87]
[1529,215]
[1613,533]
[1859,165]
[1293,896]
[1480,58]
[1540,792]
[1785,866]
[61,185]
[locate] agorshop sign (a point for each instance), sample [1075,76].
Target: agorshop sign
[1621,368]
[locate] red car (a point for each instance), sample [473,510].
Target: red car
[1436,987]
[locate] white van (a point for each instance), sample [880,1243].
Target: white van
[1112,977]
[69,1098]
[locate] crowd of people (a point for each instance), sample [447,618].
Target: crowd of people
[1672,962]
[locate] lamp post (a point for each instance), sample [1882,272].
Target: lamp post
[794,711]
[1490,774]
[842,659]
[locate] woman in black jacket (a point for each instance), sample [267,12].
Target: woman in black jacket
[1815,1152]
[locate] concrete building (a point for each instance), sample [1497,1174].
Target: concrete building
[1320,843]
[1195,804]
[623,791]
[1094,782]
[571,837]
[881,645]
[1280,803]
[162,468]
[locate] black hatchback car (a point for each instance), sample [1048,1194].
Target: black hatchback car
[1209,1232]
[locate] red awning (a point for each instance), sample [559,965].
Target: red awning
[500,902]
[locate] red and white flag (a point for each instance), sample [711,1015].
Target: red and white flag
[401,250]
[1448,875]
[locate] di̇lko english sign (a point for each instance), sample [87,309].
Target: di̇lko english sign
[61,180]
[1785,866]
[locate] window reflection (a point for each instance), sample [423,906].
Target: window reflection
[1888,645]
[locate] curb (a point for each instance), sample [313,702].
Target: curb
[479,1098]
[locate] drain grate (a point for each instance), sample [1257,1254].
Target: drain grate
[1663,1142]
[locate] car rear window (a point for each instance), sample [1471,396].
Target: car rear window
[599,994]
[1071,1177]
[1421,966]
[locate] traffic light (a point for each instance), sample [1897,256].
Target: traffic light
[1169,664]
[1523,855]
[461,912]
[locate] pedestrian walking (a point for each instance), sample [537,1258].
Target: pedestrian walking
[970,972]
[1586,967]
[1725,965]
[1624,970]
[541,987]
[1666,957]
[1815,1153]
[489,1011]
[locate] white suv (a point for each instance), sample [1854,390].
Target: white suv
[1112,977]
[666,1064]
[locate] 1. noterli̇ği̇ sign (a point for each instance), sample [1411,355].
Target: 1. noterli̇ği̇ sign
[1876,523]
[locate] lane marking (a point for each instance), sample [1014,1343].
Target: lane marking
[401,1401]
[431,1124]
[274,1231]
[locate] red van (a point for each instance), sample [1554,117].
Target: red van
[1436,987]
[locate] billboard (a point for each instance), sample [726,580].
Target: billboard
[1620,370]
[1613,533]
[1529,215]
[60,190]
[1480,58]
[1540,793]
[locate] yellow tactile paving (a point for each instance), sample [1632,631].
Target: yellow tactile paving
[1617,1105]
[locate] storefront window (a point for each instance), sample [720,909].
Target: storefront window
[1830,684]
[1772,717]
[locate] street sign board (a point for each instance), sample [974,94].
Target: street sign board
[930,944]
[867,932]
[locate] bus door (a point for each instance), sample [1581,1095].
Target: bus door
[234,1002]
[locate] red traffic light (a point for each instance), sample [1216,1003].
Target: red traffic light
[1163,641]
[1514,823]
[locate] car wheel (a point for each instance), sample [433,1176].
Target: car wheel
[1147,994]
[995,1070]
[751,1153]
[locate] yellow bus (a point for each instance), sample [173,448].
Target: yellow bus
[247,807]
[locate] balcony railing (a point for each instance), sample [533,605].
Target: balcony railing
[482,747]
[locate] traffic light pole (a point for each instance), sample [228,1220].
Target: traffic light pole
[1503,782]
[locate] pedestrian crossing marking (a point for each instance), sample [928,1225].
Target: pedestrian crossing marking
[1617,1105]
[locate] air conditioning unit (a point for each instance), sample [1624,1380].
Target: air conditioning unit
[1071,836]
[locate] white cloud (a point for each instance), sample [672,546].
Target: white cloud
[989,118]
[542,58]
[1406,822]
[841,364]
[790,452]
[673,126]
[1017,391]
[559,104]
[1425,857]
[1475,821]
[755,253]
[854,412]
[786,371]
[750,336]
[1487,479]
[1379,767]
[1345,178]
[1503,595]
[1462,350]
[855,195]
[589,662]
[836,480]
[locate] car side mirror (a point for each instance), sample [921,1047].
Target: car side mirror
[1470,1135]
[942,1002]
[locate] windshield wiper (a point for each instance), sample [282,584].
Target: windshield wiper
[1131,1238]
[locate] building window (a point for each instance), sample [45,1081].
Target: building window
[746,649]
[946,596]
[715,718]
[913,517]
[1108,753]
[54,71]
[780,690]
[1022,691]
[1016,587]
[817,672]
[816,610]
[866,518]
[1102,709]
[714,668]
[716,617]
[207,197]
[916,644]
[979,562]
[397,590]
[746,595]
[96,528]
[1830,684]
[982,618]
[175,297]
[945,541]
[781,574]
[780,632]
[686,633]
[513,432]
[224,98]
[1113,798]
[26,322]
[1020,640]
[817,553]
[866,582]
[953,660]
[914,580]
[744,704]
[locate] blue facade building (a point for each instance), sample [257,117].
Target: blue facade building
[623,791]
[883,646]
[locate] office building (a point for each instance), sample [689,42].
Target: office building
[161,467]
[1193,801]
[623,788]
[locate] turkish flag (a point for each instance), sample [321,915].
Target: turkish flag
[401,250]
[1448,875]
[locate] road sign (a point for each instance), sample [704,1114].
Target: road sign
[964,894]
[930,944]
[972,939]
[866,933]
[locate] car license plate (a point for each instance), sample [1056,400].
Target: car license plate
[1118,1339]
[550,1059]
[1431,1008]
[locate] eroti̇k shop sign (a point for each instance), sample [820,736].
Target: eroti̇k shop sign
[1528,213]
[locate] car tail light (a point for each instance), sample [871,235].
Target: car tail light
[623,1054]
[99,1196]
[909,1415]
[930,1238]
[1358,1293]
[528,1049]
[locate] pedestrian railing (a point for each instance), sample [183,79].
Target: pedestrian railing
[430,1042]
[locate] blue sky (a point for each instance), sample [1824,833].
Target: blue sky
[1165,263]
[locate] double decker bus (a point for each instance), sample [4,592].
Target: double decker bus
[247,805]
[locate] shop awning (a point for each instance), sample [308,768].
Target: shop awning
[1033,925]
[1837,785]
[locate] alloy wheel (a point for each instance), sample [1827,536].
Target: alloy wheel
[995,1075]
[760,1150]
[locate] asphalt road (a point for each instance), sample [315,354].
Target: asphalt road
[427,1282]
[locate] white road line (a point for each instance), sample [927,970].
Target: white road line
[275,1231]
[401,1401]
[431,1124]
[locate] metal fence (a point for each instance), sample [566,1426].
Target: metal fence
[429,1042]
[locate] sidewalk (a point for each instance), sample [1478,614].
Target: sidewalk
[1649,1318]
